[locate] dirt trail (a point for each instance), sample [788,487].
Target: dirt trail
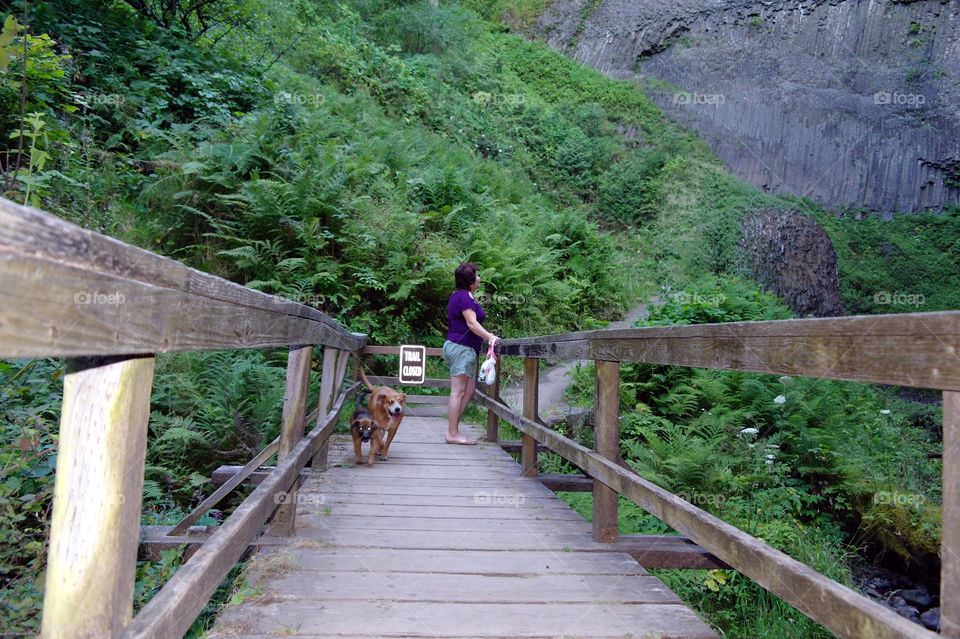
[555,378]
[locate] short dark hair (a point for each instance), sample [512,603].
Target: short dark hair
[465,275]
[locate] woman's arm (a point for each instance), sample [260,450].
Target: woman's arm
[470,317]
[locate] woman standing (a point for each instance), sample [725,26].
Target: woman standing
[461,350]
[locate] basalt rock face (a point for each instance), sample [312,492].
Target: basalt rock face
[853,103]
[791,256]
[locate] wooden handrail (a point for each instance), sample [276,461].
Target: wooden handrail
[838,608]
[172,611]
[909,349]
[67,292]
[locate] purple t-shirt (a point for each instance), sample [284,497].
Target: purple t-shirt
[459,332]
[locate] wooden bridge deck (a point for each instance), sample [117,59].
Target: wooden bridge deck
[446,541]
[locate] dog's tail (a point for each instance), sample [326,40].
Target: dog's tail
[361,401]
[364,378]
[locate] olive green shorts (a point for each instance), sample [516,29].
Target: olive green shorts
[461,359]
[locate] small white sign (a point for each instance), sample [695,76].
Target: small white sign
[413,364]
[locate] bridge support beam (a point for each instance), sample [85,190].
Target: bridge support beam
[531,394]
[950,542]
[95,528]
[292,431]
[606,443]
[493,422]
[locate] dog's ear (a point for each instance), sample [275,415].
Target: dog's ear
[355,423]
[403,398]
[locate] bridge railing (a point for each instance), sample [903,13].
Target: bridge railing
[108,308]
[919,350]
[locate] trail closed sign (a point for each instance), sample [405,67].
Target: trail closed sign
[413,364]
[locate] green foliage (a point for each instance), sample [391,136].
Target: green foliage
[907,264]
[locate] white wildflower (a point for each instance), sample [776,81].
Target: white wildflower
[884,412]
[780,399]
[786,379]
[749,431]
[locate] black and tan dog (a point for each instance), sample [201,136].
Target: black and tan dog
[386,405]
[364,428]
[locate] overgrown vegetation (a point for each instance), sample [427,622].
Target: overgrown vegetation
[348,156]
[819,469]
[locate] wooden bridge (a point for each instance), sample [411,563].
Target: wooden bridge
[441,541]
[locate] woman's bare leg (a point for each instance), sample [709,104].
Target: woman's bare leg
[459,385]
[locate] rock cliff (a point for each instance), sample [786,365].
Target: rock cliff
[852,103]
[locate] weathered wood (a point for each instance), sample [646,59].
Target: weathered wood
[516,445]
[395,350]
[666,551]
[567,483]
[386,380]
[295,396]
[89,294]
[907,349]
[225,473]
[91,563]
[238,477]
[531,393]
[458,620]
[607,444]
[843,611]
[493,422]
[950,540]
[378,535]
[427,399]
[172,610]
[328,376]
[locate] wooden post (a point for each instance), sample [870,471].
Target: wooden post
[91,565]
[493,422]
[950,535]
[606,443]
[327,375]
[531,387]
[292,431]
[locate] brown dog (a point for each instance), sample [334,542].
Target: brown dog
[363,428]
[386,405]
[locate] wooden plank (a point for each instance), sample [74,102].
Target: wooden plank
[666,551]
[607,444]
[386,380]
[395,350]
[450,620]
[323,587]
[469,562]
[89,294]
[843,611]
[384,525]
[173,609]
[224,473]
[567,483]
[328,376]
[907,349]
[950,540]
[493,422]
[516,446]
[428,399]
[448,512]
[91,563]
[236,478]
[531,393]
[299,361]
